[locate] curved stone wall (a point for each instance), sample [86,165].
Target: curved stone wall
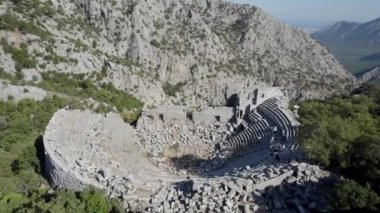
[60,177]
[83,148]
[266,125]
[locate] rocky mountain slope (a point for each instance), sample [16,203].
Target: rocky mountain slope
[356,45]
[167,51]
[369,75]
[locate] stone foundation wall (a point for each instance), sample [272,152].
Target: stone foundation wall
[182,114]
[60,177]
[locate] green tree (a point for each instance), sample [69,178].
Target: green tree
[64,201]
[365,160]
[12,202]
[95,201]
[349,195]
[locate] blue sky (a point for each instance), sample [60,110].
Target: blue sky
[322,11]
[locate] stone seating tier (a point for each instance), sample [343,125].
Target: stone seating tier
[256,135]
[253,117]
[272,110]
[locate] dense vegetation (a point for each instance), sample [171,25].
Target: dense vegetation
[354,58]
[79,85]
[86,87]
[22,187]
[10,21]
[172,90]
[19,55]
[343,134]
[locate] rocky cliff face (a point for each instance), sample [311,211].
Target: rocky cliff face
[369,75]
[170,51]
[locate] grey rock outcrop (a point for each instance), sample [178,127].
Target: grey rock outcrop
[9,92]
[206,48]
[370,75]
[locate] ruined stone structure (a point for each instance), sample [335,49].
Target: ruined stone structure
[267,124]
[260,118]
[182,114]
[173,145]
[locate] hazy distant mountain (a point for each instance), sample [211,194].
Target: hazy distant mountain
[337,31]
[366,33]
[371,75]
[308,26]
[356,45]
[372,57]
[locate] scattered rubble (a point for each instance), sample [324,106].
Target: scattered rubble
[163,166]
[297,192]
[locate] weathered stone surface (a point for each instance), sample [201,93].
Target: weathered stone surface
[70,135]
[137,166]
[220,48]
[370,75]
[15,93]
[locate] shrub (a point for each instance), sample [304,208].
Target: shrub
[349,195]
[53,57]
[10,98]
[23,60]
[3,123]
[9,21]
[157,25]
[12,201]
[5,75]
[95,201]
[77,85]
[94,44]
[130,116]
[102,108]
[171,90]
[34,8]
[155,43]
[79,45]
[364,160]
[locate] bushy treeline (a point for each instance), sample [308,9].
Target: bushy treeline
[343,134]
[11,21]
[19,55]
[84,86]
[22,187]
[59,201]
[80,85]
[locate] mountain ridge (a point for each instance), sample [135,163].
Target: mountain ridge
[351,31]
[202,49]
[371,75]
[341,27]
[354,44]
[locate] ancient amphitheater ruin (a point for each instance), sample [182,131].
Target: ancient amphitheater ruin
[185,159]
